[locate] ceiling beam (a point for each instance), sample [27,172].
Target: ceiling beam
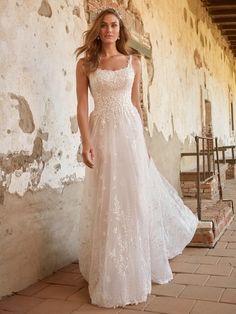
[231,37]
[228,27]
[229,32]
[209,3]
[223,13]
[224,20]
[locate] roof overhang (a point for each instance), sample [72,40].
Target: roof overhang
[223,14]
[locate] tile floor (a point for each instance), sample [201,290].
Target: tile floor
[204,282]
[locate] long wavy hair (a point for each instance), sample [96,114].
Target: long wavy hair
[92,45]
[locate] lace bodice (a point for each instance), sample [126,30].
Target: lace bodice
[111,89]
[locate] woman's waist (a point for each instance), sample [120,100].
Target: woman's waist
[113,108]
[111,98]
[112,104]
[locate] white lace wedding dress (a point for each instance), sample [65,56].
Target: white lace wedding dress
[131,219]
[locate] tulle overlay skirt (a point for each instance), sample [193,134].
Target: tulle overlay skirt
[131,219]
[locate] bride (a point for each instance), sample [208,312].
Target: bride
[131,219]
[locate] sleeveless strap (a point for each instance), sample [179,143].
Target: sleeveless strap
[130,60]
[130,66]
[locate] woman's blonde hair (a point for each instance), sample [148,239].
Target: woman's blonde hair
[92,44]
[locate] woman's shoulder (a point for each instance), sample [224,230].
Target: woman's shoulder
[135,59]
[80,66]
[80,62]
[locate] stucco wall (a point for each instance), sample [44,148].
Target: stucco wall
[40,174]
[41,177]
[191,64]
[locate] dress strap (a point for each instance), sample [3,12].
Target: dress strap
[130,60]
[130,66]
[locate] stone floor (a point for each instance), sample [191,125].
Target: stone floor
[204,282]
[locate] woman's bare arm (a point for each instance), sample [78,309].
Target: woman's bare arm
[82,113]
[82,101]
[136,85]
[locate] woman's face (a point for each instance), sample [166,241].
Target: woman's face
[110,29]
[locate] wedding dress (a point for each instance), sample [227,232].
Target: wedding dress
[131,219]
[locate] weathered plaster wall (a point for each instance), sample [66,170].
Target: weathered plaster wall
[38,235]
[37,68]
[40,174]
[191,63]
[41,178]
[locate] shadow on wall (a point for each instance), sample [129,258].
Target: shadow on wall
[166,154]
[39,235]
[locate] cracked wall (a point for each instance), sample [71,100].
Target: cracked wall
[41,174]
[38,127]
[192,64]
[188,54]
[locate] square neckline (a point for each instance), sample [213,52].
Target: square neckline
[117,70]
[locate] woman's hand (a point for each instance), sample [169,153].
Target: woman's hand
[88,155]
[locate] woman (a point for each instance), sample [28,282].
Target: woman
[132,220]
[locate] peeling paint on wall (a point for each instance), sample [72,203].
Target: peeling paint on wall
[191,22]
[26,122]
[196,25]
[57,167]
[202,40]
[45,9]
[20,171]
[42,135]
[197,58]
[185,15]
[76,11]
[73,124]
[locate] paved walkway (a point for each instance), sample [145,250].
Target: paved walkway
[204,282]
